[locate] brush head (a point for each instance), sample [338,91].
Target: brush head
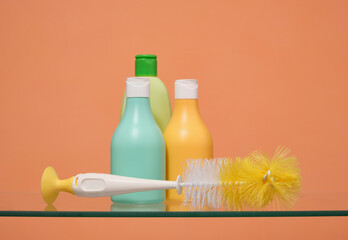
[258,180]
[49,188]
[252,182]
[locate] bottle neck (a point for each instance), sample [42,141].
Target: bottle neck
[145,75]
[186,109]
[137,109]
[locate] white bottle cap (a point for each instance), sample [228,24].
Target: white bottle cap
[186,89]
[138,87]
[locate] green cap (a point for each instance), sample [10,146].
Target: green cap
[145,65]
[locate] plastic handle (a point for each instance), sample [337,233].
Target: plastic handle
[102,185]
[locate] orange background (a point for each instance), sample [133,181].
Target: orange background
[270,73]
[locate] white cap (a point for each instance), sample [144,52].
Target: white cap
[138,87]
[186,89]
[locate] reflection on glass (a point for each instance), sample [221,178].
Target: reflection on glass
[50,208]
[125,207]
[315,204]
[175,205]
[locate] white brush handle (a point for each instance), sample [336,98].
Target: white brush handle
[102,185]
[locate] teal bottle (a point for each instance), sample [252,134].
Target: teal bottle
[137,146]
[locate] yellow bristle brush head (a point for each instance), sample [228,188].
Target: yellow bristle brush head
[257,180]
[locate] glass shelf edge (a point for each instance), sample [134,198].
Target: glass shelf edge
[95,214]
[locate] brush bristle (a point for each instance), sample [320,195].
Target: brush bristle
[283,181]
[201,181]
[245,183]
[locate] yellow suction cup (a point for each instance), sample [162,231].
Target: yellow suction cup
[51,185]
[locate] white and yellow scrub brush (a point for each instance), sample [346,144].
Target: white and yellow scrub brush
[252,182]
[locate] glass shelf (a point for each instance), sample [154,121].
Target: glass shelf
[32,205]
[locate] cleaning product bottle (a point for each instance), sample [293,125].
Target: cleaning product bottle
[146,66]
[137,146]
[186,135]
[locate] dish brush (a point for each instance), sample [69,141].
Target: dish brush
[252,182]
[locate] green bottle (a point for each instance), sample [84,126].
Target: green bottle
[146,66]
[137,146]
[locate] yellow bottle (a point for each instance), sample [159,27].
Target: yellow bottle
[186,135]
